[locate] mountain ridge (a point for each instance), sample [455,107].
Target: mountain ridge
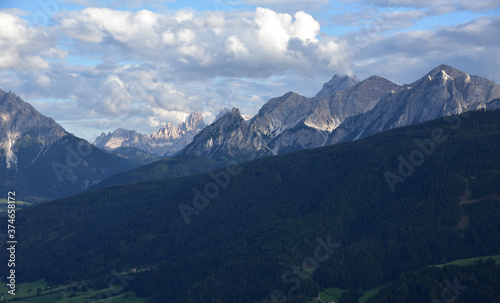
[43,161]
[167,141]
[353,109]
[436,94]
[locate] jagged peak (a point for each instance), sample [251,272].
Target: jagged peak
[337,83]
[196,116]
[235,112]
[122,130]
[230,116]
[448,70]
[222,112]
[344,77]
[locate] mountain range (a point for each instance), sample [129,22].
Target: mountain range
[344,110]
[168,141]
[293,122]
[41,158]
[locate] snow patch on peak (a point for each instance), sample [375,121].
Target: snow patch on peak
[445,76]
[114,143]
[467,78]
[11,158]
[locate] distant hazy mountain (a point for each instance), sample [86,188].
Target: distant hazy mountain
[41,160]
[166,142]
[344,110]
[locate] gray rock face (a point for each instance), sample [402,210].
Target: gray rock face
[351,111]
[227,135]
[293,122]
[166,142]
[40,160]
[337,83]
[443,91]
[20,122]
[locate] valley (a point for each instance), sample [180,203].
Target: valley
[268,218]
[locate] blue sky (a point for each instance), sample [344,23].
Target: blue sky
[100,65]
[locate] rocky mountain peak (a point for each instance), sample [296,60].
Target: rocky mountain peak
[338,82]
[446,70]
[443,91]
[19,116]
[233,116]
[222,112]
[226,132]
[166,142]
[19,120]
[193,122]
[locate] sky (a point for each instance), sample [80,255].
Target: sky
[98,65]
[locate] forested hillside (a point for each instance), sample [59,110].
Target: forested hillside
[353,215]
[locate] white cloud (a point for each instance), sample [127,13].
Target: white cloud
[236,47]
[305,28]
[194,44]
[273,30]
[20,45]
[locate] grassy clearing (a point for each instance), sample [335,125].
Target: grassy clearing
[370,293]
[461,262]
[329,294]
[28,293]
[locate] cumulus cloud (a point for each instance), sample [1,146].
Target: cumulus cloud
[209,41]
[21,46]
